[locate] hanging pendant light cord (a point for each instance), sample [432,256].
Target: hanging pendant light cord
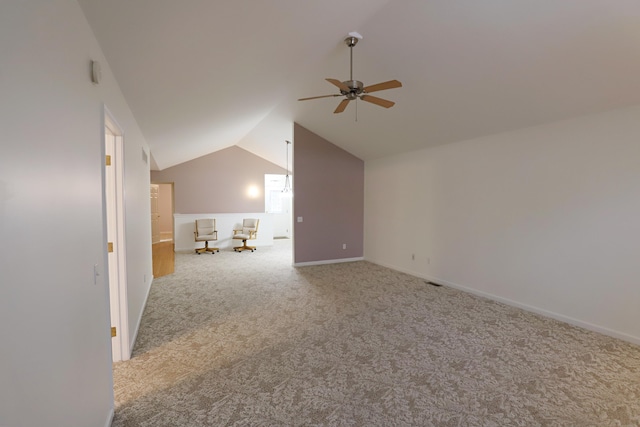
[287,183]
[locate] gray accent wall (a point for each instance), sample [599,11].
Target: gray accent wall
[219,182]
[329,197]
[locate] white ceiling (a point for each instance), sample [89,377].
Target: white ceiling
[203,75]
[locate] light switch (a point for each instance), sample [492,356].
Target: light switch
[299,219]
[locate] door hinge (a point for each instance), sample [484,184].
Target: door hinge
[108,160]
[113,331]
[110,247]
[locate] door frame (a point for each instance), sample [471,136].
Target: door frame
[115,224]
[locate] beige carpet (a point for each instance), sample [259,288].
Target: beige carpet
[245,339]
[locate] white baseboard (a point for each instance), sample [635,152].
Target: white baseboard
[557,316]
[132,341]
[110,418]
[327,261]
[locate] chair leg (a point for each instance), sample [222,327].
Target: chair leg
[207,249]
[200,250]
[213,250]
[244,247]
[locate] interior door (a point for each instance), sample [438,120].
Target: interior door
[116,238]
[112,257]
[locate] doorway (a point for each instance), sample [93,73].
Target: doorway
[279,204]
[163,246]
[116,258]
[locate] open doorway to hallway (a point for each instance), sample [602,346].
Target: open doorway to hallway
[163,244]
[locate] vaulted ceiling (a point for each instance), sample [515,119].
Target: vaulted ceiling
[203,75]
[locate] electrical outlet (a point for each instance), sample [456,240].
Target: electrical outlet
[344,246]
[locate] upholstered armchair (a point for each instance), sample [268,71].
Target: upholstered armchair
[206,232]
[249,231]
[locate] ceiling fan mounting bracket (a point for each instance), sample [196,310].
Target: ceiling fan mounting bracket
[351,41]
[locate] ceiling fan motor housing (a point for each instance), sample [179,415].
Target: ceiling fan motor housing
[356,88]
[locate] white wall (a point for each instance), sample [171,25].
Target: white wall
[55,357]
[547,218]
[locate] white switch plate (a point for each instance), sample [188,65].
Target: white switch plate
[299,219]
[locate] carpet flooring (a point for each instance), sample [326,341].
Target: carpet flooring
[245,339]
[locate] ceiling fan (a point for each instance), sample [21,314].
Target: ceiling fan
[355,89]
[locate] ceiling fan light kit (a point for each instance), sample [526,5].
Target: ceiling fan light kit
[354,89]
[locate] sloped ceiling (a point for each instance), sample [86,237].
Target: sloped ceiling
[202,75]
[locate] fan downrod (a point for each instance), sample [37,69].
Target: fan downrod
[355,86]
